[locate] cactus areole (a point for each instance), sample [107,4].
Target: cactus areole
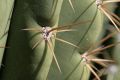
[99,2]
[47,33]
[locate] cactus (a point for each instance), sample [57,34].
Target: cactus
[6,9]
[54,39]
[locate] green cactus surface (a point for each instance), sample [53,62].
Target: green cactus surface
[57,40]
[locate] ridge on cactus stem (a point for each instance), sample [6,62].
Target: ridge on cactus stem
[48,33]
[111,16]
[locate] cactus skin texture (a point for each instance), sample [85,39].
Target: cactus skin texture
[21,62]
[6,9]
[82,37]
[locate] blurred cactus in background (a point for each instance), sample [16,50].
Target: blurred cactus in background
[59,40]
